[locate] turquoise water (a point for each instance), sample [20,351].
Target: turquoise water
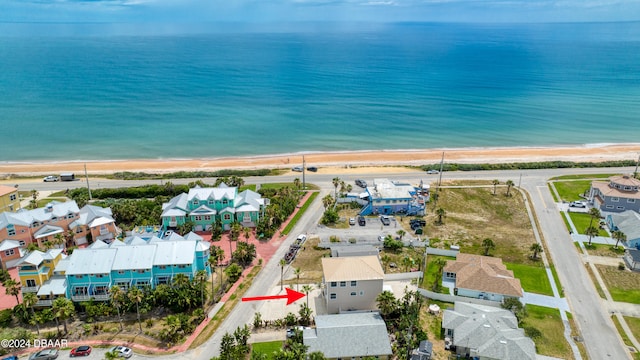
[402,86]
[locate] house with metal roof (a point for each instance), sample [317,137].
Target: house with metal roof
[486,332]
[9,198]
[632,259]
[10,253]
[482,277]
[37,267]
[205,206]
[94,221]
[629,223]
[349,336]
[620,193]
[351,283]
[394,197]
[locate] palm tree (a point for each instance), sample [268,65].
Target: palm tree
[536,248]
[296,183]
[283,263]
[595,214]
[495,183]
[306,289]
[591,231]
[29,300]
[34,197]
[387,303]
[509,185]
[12,288]
[297,273]
[247,234]
[441,213]
[58,240]
[116,295]
[218,255]
[386,259]
[619,236]
[234,234]
[401,233]
[63,309]
[407,262]
[327,201]
[136,296]
[488,244]
[200,279]
[336,182]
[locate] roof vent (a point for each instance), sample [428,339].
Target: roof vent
[503,342]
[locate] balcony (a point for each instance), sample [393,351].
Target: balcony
[173,223]
[44,303]
[104,231]
[30,289]
[80,298]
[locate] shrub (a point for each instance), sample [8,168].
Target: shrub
[621,266]
[334,239]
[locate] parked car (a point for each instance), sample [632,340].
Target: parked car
[84,350]
[302,238]
[123,351]
[352,221]
[312,168]
[361,183]
[385,220]
[11,357]
[578,204]
[432,171]
[46,354]
[51,178]
[297,168]
[362,221]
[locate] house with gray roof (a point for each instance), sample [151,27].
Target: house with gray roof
[620,193]
[349,336]
[632,259]
[629,223]
[486,332]
[206,206]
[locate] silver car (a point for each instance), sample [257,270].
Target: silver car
[46,354]
[123,351]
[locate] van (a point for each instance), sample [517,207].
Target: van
[67,177]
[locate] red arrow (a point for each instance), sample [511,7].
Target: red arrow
[291,296]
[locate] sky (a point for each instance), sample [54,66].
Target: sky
[174,15]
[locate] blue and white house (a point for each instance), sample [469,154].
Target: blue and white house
[395,197]
[89,273]
[629,223]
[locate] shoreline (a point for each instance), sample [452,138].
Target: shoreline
[337,159]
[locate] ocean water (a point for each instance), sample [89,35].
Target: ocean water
[397,86]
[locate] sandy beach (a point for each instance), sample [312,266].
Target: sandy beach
[354,161]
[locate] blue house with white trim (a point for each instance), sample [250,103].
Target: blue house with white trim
[394,197]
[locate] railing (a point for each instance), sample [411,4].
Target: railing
[78,298]
[30,288]
[44,303]
[173,223]
[104,231]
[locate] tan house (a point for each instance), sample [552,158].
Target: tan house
[10,253]
[482,277]
[351,283]
[9,199]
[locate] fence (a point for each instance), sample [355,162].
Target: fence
[453,298]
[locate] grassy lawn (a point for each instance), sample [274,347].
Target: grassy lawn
[583,177]
[267,348]
[308,260]
[595,282]
[557,280]
[548,322]
[604,250]
[533,278]
[623,285]
[473,214]
[623,335]
[301,212]
[566,221]
[553,193]
[581,221]
[571,190]
[432,272]
[289,184]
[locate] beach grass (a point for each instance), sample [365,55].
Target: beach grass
[266,348]
[532,278]
[571,190]
[623,285]
[582,220]
[604,250]
[623,335]
[551,341]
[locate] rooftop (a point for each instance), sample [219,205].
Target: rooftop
[484,273]
[352,268]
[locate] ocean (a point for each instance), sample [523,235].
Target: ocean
[92,96]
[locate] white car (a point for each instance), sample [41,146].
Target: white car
[297,168]
[352,221]
[50,178]
[432,171]
[302,238]
[122,351]
[578,204]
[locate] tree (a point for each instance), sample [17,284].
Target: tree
[30,300]
[217,255]
[283,263]
[407,262]
[200,279]
[306,289]
[12,288]
[591,231]
[34,199]
[536,248]
[58,240]
[234,234]
[244,254]
[304,315]
[441,213]
[327,201]
[387,303]
[297,183]
[136,296]
[619,236]
[233,271]
[247,234]
[440,264]
[63,309]
[595,215]
[509,185]
[495,183]
[336,183]
[488,244]
[386,259]
[187,227]
[401,233]
[516,308]
[297,273]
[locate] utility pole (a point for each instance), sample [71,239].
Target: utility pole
[87,177]
[304,165]
[520,180]
[635,173]
[435,198]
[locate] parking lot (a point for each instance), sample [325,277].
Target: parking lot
[363,234]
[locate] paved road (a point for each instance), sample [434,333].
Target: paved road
[601,338]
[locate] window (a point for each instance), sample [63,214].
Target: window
[620,207]
[227,217]
[124,285]
[361,293]
[55,218]
[343,283]
[354,283]
[353,293]
[12,197]
[615,199]
[627,188]
[31,283]
[9,252]
[207,217]
[78,230]
[225,202]
[197,218]
[101,290]
[609,206]
[81,290]
[631,200]
[334,284]
[22,243]
[162,267]
[79,276]
[182,266]
[162,280]
[141,271]
[196,202]
[100,276]
[333,296]
[120,272]
[211,202]
[11,231]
